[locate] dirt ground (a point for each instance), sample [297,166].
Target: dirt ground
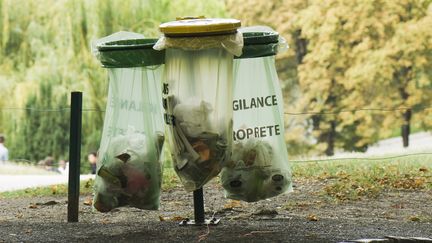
[302,216]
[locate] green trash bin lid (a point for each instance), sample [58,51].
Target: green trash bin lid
[130,53]
[259,44]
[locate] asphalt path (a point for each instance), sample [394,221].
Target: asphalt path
[16,182]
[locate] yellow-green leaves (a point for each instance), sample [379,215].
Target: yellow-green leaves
[359,54]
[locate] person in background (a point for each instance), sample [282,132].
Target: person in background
[4,152]
[92,158]
[49,164]
[63,167]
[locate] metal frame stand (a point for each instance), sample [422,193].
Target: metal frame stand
[198,199]
[74,156]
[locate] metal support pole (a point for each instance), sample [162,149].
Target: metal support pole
[198,198]
[74,156]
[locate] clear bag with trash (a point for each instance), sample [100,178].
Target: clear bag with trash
[259,167]
[197,95]
[129,166]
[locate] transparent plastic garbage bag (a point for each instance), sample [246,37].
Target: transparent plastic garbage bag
[259,167]
[129,167]
[197,95]
[197,101]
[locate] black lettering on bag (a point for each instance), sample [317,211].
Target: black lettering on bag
[165,88]
[254,102]
[169,119]
[277,130]
[256,132]
[165,103]
[236,105]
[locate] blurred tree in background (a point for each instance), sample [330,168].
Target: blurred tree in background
[44,128]
[350,55]
[45,47]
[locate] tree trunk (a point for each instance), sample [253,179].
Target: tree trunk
[331,139]
[401,76]
[405,128]
[300,46]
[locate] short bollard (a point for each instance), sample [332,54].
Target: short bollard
[74,156]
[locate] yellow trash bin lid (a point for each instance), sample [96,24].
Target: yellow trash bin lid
[199,26]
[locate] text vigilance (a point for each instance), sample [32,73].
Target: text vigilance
[255,102]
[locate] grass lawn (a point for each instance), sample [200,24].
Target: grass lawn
[355,178]
[345,179]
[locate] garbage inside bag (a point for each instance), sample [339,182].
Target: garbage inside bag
[192,118]
[197,98]
[249,176]
[129,169]
[128,175]
[198,151]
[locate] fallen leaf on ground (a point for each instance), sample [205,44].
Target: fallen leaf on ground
[54,189]
[423,169]
[233,204]
[178,218]
[414,218]
[174,218]
[33,206]
[105,221]
[88,201]
[312,217]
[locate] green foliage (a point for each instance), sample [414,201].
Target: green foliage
[43,129]
[50,42]
[350,55]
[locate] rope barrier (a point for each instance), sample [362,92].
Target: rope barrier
[293,113]
[355,110]
[361,158]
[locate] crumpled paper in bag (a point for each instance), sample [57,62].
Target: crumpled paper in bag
[193,118]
